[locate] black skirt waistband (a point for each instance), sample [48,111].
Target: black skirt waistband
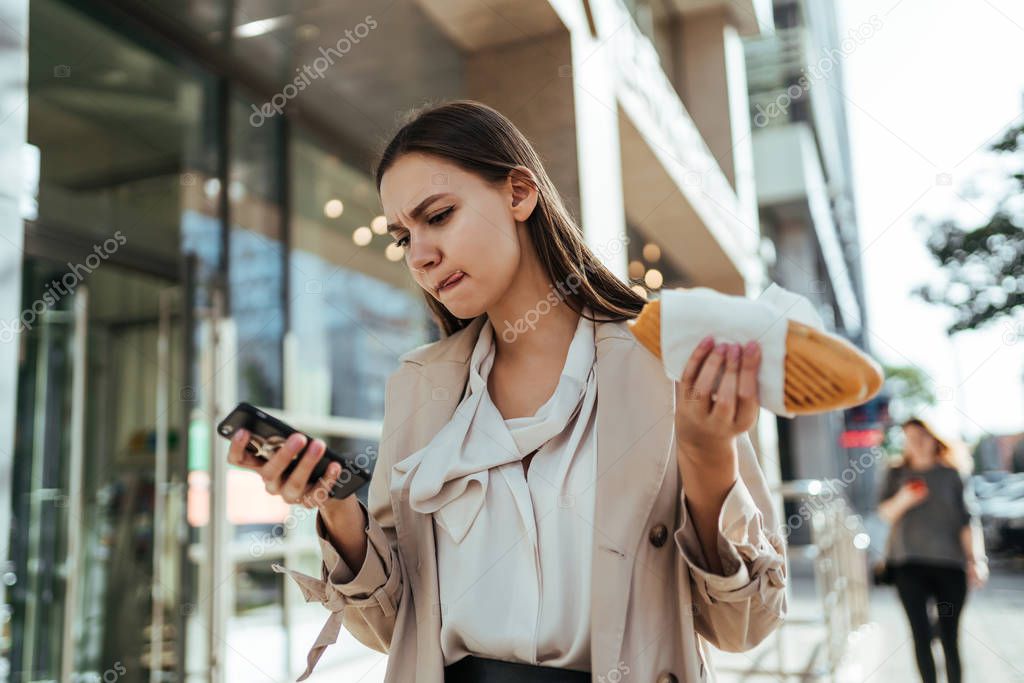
[472,669]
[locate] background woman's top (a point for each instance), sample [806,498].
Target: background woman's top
[930,531]
[514,549]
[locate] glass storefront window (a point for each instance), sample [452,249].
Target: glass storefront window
[649,267]
[207,19]
[257,254]
[355,308]
[127,154]
[118,376]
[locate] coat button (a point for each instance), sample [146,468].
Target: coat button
[658,535]
[668,677]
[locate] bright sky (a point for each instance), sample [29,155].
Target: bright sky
[937,81]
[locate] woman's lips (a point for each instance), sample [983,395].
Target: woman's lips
[452,282]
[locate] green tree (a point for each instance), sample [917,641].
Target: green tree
[983,265]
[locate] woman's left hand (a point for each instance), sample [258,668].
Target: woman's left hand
[717,397]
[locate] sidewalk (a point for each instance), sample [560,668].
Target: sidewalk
[991,637]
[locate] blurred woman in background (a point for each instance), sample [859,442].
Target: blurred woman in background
[935,548]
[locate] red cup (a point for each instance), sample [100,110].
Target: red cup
[917,485]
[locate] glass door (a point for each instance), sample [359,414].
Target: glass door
[40,505]
[129,560]
[121,257]
[99,493]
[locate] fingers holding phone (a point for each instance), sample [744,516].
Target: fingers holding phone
[274,472]
[291,483]
[300,471]
[241,454]
[299,486]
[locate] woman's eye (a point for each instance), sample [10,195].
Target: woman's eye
[433,220]
[436,217]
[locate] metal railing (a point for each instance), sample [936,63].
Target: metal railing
[837,551]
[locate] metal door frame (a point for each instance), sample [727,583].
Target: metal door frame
[76,465]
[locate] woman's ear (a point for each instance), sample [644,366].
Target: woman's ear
[523,188]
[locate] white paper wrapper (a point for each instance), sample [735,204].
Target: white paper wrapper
[689,315]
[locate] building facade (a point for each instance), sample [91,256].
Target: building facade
[805,197]
[168,162]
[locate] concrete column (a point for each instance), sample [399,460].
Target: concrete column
[599,154]
[796,267]
[711,72]
[530,82]
[13,175]
[814,442]
[557,89]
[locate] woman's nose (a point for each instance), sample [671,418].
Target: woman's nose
[421,256]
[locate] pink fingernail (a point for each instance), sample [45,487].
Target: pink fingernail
[734,352]
[706,342]
[720,349]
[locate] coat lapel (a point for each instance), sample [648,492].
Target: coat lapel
[635,422]
[427,391]
[634,434]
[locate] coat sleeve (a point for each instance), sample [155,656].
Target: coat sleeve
[366,601]
[736,610]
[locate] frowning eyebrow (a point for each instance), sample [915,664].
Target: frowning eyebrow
[417,211]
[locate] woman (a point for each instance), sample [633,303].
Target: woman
[935,547]
[517,526]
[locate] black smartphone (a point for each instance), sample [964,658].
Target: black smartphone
[267,434]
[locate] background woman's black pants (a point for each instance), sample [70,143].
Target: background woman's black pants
[947,586]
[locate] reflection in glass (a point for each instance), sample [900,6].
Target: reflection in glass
[256,260]
[127,156]
[353,310]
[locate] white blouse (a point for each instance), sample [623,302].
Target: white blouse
[513,549]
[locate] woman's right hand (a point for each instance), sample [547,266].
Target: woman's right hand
[343,519]
[911,495]
[293,488]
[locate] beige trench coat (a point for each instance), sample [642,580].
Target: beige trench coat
[654,605]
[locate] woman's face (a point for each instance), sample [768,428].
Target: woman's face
[450,220]
[919,446]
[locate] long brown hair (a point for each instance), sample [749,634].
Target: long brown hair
[480,140]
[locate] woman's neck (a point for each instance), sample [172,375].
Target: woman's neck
[535,337]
